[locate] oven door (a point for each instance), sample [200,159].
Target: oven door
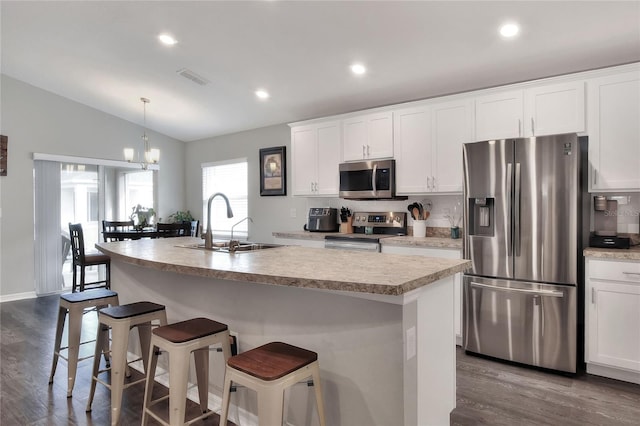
[351,244]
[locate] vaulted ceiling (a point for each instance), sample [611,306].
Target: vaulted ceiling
[106,54]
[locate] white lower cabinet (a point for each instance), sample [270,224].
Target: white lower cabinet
[612,325]
[457,279]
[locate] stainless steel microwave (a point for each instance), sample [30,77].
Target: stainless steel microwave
[367,180]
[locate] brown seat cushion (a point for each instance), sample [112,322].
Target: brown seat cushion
[272,361]
[185,331]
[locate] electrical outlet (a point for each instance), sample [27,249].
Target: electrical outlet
[411,343]
[292,212]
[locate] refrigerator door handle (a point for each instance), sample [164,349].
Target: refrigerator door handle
[547,293]
[509,208]
[516,212]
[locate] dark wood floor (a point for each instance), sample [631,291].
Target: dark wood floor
[489,392]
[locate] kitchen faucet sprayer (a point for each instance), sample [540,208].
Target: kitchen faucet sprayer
[208,236]
[233,245]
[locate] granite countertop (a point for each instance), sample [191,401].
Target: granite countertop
[403,241]
[375,273]
[632,253]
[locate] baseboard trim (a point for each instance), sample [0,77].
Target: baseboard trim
[614,373]
[18,296]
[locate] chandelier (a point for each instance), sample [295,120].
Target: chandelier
[150,155]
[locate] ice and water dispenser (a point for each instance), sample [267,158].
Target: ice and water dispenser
[481,216]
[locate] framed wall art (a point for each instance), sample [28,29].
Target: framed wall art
[273,173]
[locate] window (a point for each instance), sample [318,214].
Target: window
[138,189]
[229,178]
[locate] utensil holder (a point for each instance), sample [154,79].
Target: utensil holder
[419,228]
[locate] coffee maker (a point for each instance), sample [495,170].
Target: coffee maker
[605,223]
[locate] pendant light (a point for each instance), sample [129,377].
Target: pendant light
[150,155]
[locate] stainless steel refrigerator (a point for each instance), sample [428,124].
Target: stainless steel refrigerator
[524,229]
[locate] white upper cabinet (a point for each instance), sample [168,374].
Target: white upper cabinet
[554,109]
[315,159]
[452,126]
[428,146]
[412,140]
[537,111]
[614,132]
[368,137]
[499,116]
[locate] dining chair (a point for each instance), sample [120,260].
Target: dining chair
[180,229]
[115,225]
[82,260]
[195,227]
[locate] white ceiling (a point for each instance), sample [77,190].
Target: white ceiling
[106,54]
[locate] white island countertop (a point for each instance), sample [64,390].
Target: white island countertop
[374,273]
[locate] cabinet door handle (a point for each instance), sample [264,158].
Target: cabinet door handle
[428,182]
[519,127]
[533,132]
[368,152]
[311,186]
[433,182]
[316,186]
[595,176]
[363,154]
[593,296]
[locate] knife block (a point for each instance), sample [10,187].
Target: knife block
[347,227]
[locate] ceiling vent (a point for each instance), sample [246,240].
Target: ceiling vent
[187,73]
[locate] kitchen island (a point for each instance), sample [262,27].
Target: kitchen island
[382,324]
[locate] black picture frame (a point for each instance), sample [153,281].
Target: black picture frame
[273,171]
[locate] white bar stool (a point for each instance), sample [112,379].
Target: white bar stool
[75,304]
[269,370]
[179,340]
[121,319]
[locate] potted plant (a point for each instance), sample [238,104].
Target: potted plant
[181,216]
[142,216]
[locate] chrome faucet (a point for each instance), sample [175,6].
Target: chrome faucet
[233,245]
[208,235]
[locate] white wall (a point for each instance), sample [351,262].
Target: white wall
[271,214]
[38,121]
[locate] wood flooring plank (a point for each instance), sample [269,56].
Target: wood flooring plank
[488,392]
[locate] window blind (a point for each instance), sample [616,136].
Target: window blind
[229,178]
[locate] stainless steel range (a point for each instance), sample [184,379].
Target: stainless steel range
[368,229]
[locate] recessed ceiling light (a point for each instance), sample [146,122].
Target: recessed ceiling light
[509,30]
[167,39]
[358,69]
[262,94]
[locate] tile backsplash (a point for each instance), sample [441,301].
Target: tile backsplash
[441,205]
[628,214]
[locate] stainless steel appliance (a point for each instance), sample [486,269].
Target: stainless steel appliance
[368,229]
[322,219]
[368,180]
[524,225]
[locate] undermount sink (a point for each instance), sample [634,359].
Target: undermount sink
[223,246]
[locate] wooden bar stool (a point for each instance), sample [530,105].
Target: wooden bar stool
[269,370]
[179,340]
[121,319]
[76,304]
